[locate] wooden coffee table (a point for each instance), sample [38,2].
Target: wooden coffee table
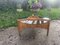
[33,23]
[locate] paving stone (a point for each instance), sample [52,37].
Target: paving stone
[1,42]
[10,36]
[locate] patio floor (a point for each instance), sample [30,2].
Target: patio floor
[10,36]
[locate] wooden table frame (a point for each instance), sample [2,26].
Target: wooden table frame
[42,25]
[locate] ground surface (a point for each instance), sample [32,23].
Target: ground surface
[10,36]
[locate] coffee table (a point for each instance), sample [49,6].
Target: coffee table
[34,22]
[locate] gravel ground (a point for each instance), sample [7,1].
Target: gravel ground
[10,36]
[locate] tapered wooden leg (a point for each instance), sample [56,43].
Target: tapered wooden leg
[48,29]
[47,32]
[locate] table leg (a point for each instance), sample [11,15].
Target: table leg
[47,32]
[48,28]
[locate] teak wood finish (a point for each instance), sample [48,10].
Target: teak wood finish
[21,25]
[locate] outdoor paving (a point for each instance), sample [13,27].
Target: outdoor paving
[10,36]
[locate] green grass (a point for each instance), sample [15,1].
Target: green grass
[9,18]
[53,14]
